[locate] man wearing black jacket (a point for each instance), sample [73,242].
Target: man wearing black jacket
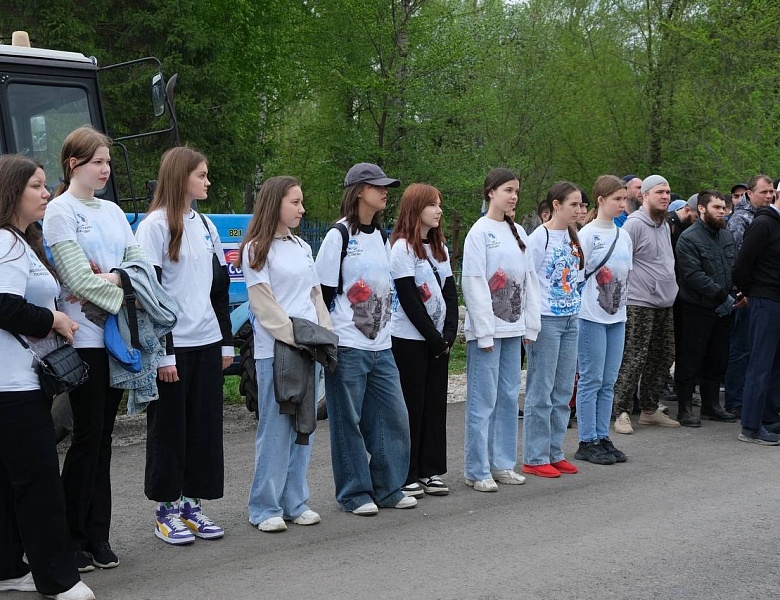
[705,256]
[757,274]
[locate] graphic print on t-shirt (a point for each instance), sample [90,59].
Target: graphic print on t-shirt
[370,312]
[507,296]
[562,275]
[612,289]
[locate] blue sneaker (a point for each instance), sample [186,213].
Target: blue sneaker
[761,437]
[198,523]
[170,529]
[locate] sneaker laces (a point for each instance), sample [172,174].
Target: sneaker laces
[175,523]
[434,478]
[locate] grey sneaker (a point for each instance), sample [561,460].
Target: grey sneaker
[761,437]
[508,477]
[483,485]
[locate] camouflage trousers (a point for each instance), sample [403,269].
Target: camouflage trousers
[647,357]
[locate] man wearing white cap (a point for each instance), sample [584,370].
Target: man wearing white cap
[652,288]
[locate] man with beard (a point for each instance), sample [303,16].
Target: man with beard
[633,200]
[760,192]
[652,288]
[756,273]
[705,255]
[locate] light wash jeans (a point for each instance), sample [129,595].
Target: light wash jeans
[369,428]
[279,487]
[600,352]
[552,365]
[492,388]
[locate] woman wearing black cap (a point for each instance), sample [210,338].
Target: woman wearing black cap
[365,403]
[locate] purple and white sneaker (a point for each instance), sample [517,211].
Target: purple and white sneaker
[170,529]
[198,523]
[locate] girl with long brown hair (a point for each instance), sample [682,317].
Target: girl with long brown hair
[423,328]
[282,283]
[184,456]
[32,505]
[88,237]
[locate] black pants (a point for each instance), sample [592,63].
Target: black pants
[424,385]
[184,455]
[702,356]
[32,505]
[86,473]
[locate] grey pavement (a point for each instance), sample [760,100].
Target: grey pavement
[693,514]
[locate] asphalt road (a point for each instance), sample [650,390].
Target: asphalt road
[693,514]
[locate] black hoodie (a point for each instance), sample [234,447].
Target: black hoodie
[757,268]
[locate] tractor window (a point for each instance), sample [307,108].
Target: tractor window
[42,116]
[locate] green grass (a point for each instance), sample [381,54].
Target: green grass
[230,390]
[458,356]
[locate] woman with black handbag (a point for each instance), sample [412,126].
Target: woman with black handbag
[32,504]
[184,456]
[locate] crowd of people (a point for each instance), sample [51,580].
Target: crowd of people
[608,297]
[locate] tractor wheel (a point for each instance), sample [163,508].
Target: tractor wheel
[247,387]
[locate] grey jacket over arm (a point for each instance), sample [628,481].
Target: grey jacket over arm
[294,373]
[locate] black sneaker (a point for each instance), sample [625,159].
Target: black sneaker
[102,555]
[83,561]
[595,453]
[607,444]
[761,437]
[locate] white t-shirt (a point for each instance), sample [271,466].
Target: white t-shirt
[188,281]
[103,234]
[491,251]
[404,263]
[289,271]
[362,313]
[606,291]
[558,270]
[22,274]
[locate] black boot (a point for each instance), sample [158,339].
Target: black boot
[710,403]
[684,405]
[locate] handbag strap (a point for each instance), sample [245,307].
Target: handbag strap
[132,314]
[435,270]
[26,346]
[606,258]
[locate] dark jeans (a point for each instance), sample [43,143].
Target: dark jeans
[184,454]
[763,371]
[701,356]
[424,384]
[739,353]
[86,474]
[32,505]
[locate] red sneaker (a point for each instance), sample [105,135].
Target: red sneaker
[541,470]
[564,466]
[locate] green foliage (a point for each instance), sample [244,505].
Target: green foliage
[438,90]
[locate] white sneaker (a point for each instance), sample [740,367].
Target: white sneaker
[308,517]
[369,509]
[24,583]
[273,524]
[483,485]
[623,424]
[78,592]
[406,502]
[508,476]
[414,489]
[663,408]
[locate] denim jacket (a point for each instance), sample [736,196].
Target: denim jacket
[157,318]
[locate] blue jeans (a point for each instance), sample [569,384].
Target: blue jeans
[739,353]
[369,428]
[552,365]
[492,388]
[599,351]
[279,487]
[763,372]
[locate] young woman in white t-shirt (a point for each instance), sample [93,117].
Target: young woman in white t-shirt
[281,282]
[369,425]
[502,307]
[184,457]
[88,237]
[423,328]
[602,320]
[552,358]
[32,505]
